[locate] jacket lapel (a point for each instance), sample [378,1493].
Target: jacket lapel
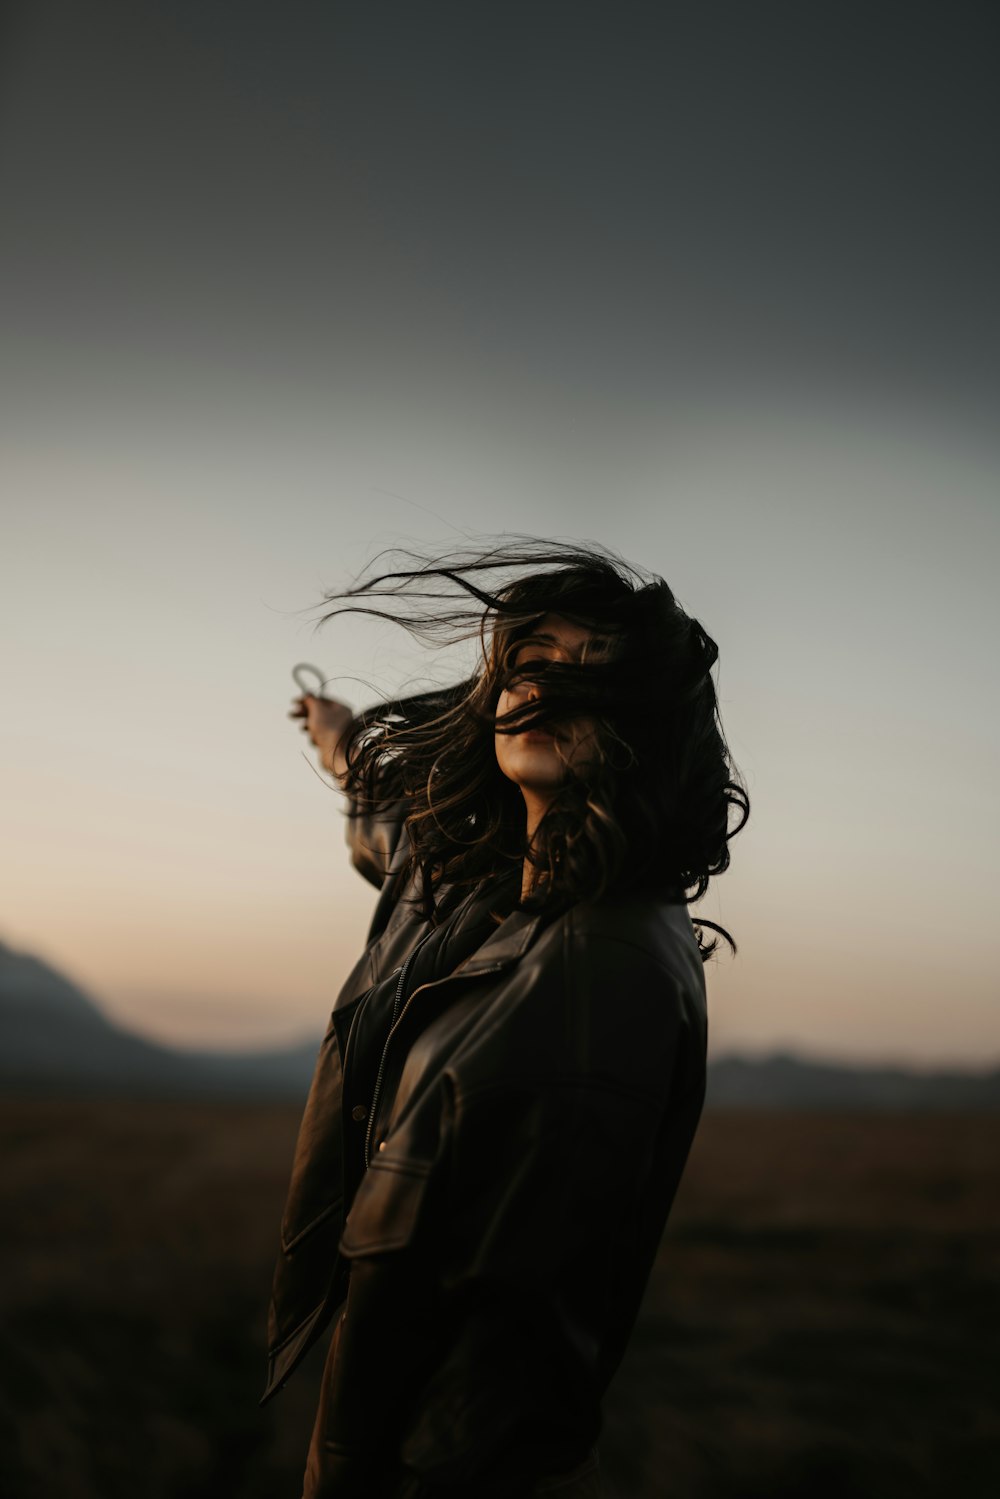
[501,950]
[509,942]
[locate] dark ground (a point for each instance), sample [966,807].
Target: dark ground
[822,1321]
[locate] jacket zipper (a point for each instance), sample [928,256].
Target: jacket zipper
[396,1016]
[385,1050]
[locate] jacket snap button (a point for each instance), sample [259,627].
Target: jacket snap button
[381,1145]
[359,1112]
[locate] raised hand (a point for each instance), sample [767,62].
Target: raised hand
[326,721]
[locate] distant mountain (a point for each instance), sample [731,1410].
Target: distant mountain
[52,1035]
[784,1081]
[28,982]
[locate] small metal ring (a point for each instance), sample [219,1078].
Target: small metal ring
[304,668]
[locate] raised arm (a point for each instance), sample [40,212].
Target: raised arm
[373,831]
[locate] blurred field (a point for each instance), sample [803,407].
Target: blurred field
[822,1320]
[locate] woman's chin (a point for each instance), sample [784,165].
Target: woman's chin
[543,767]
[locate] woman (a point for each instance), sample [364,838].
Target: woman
[514,1070]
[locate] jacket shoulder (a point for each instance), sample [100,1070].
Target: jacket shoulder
[643,931]
[376,832]
[611,997]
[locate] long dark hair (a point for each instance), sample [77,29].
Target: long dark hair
[651,811]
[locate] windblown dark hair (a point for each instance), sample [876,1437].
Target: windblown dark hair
[651,811]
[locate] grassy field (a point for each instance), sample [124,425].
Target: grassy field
[822,1321]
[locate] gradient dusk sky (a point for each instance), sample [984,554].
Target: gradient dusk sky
[713,284]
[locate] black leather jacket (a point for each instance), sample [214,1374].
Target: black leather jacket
[536,1106]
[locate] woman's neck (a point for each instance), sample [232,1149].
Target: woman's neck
[536,804]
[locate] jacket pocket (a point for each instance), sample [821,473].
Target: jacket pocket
[386,1208]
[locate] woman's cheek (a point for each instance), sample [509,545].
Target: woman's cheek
[501,742]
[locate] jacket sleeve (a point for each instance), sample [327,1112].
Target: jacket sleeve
[374,831]
[484,1242]
[382,1347]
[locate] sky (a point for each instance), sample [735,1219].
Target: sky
[713,285]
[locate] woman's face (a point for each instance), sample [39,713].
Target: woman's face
[538,760]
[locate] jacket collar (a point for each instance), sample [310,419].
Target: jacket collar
[510,941]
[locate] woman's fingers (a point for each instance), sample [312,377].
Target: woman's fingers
[300,711]
[324,720]
[300,706]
